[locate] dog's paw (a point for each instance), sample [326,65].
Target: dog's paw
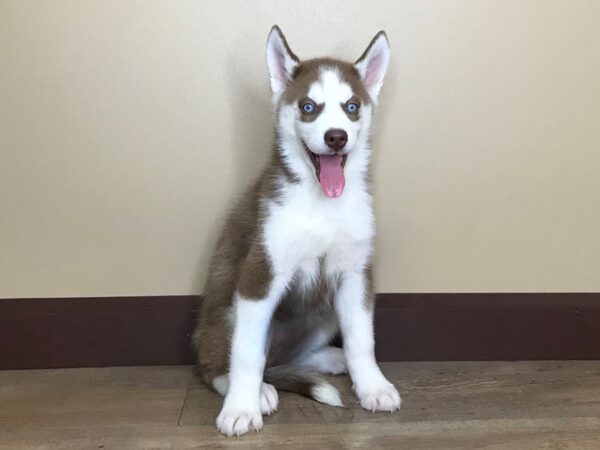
[268,399]
[238,421]
[334,361]
[381,397]
[330,360]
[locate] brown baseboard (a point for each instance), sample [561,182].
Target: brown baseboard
[119,331]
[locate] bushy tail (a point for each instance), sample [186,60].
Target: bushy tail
[303,381]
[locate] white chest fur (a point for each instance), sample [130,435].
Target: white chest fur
[305,226]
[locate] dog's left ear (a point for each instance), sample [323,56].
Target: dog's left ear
[280,60]
[373,64]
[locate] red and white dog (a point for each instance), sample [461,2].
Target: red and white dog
[293,264]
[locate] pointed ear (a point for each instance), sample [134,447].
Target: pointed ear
[373,64]
[280,60]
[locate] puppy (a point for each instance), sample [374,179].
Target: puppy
[292,266]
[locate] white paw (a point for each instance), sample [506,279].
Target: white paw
[329,360]
[335,361]
[237,421]
[382,397]
[268,399]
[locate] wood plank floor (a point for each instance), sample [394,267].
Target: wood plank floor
[446,405]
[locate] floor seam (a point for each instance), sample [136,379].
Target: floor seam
[187,391]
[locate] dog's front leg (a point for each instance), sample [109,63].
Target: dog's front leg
[354,307]
[252,317]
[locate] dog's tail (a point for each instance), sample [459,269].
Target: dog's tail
[303,381]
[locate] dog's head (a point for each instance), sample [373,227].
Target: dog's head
[324,108]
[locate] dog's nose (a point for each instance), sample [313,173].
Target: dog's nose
[336,138]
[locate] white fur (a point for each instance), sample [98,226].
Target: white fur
[373,66]
[269,399]
[327,359]
[305,225]
[302,228]
[280,63]
[332,92]
[221,384]
[242,406]
[326,393]
[374,391]
[293,134]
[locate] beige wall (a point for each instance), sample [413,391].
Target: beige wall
[128,127]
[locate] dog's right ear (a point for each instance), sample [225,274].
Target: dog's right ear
[280,60]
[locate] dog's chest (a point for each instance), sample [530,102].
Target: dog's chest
[308,233]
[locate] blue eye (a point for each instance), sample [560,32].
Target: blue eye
[308,108]
[351,107]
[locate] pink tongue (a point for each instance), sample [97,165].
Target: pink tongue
[332,175]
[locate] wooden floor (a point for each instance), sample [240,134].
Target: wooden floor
[446,405]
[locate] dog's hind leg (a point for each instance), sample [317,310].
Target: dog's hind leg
[328,359]
[314,351]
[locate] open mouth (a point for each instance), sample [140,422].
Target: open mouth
[330,172]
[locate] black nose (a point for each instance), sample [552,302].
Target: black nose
[336,138]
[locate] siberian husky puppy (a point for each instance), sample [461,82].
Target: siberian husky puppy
[292,267]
